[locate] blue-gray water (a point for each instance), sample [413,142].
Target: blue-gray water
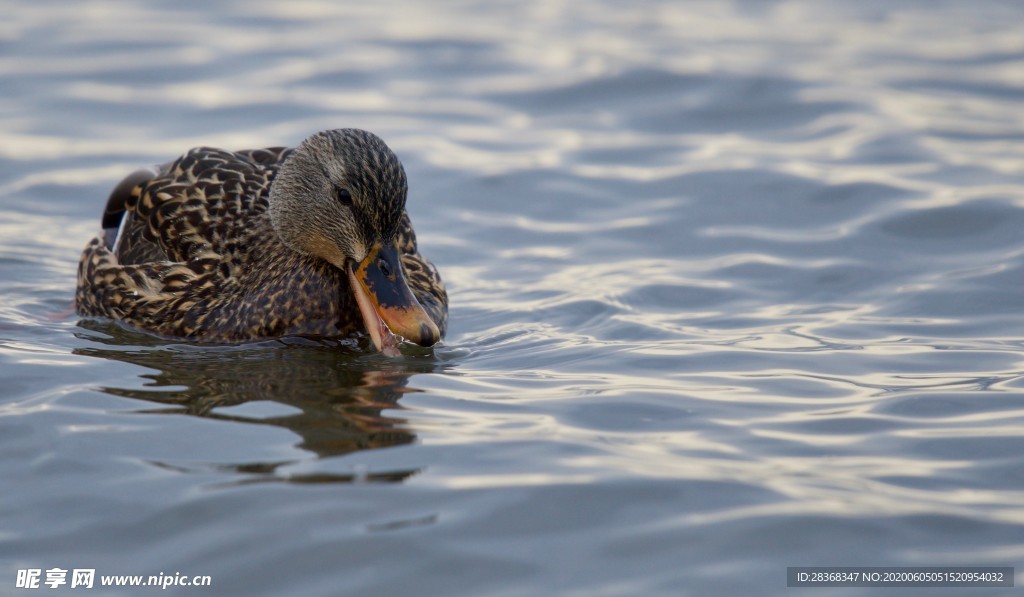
[734,287]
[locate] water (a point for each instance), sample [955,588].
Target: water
[734,287]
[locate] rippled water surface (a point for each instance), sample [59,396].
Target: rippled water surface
[734,287]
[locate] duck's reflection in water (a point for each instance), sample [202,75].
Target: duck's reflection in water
[339,392]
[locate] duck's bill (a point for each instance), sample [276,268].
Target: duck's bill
[387,304]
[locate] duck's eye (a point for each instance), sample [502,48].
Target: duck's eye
[343,196]
[385,269]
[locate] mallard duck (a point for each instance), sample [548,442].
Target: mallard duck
[226,246]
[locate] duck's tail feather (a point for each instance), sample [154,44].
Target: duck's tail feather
[127,190]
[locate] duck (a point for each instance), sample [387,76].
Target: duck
[228,246]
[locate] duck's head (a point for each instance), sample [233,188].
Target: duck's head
[340,196]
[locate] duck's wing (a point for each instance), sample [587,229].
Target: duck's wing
[196,208]
[174,236]
[148,295]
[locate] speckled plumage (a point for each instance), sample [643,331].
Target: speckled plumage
[198,255]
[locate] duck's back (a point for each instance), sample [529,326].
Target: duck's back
[206,200]
[188,250]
